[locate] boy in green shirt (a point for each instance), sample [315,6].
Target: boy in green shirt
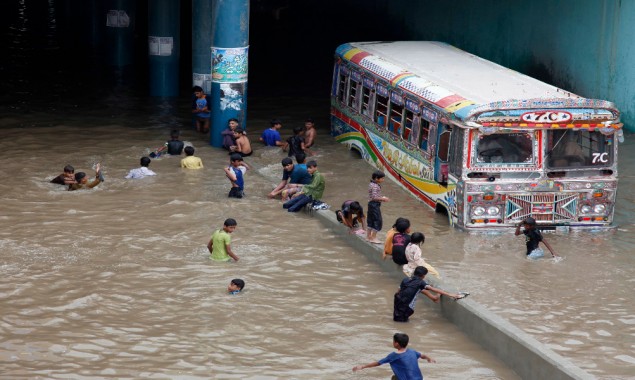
[220,244]
[310,193]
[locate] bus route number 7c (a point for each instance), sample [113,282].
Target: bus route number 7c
[600,157]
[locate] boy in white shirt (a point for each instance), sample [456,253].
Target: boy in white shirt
[141,172]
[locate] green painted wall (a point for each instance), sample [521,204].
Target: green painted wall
[583,46]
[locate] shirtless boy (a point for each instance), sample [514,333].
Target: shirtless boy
[243,146]
[309,133]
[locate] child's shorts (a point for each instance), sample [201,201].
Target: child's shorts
[537,253]
[236,192]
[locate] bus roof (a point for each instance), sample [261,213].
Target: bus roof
[471,88]
[465,74]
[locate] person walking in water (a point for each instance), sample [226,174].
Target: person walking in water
[533,238]
[142,171]
[191,161]
[220,244]
[235,173]
[409,288]
[404,362]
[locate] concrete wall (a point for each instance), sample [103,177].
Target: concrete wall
[525,355]
[583,46]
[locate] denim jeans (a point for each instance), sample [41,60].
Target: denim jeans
[296,204]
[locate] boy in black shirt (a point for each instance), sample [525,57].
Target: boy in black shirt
[533,237]
[409,289]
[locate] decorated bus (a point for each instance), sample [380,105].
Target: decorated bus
[485,144]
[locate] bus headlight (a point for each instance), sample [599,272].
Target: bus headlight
[478,211]
[585,209]
[493,210]
[599,208]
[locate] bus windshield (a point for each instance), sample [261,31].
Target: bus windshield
[505,148]
[571,149]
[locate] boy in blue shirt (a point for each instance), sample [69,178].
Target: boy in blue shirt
[291,174]
[404,362]
[271,136]
[201,105]
[235,172]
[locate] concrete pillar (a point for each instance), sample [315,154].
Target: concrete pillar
[119,18]
[230,43]
[163,47]
[202,44]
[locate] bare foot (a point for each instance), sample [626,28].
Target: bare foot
[374,241]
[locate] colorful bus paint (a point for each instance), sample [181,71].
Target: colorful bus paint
[487,145]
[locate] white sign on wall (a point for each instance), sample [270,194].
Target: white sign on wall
[117,19]
[160,45]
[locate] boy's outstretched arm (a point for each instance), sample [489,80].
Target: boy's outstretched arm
[278,189]
[369,365]
[426,357]
[441,291]
[549,247]
[434,297]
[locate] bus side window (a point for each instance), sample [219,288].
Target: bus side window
[407,131]
[396,114]
[416,130]
[425,132]
[354,95]
[381,110]
[341,88]
[366,101]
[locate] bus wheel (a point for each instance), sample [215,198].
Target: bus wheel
[441,209]
[356,153]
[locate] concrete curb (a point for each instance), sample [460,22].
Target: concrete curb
[529,358]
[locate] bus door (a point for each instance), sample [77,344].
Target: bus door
[441,158]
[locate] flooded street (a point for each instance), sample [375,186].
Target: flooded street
[116,281]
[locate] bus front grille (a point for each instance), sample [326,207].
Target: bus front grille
[544,207]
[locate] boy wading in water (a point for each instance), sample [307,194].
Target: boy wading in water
[220,244]
[533,237]
[406,297]
[235,173]
[404,363]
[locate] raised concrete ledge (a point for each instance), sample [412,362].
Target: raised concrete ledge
[529,358]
